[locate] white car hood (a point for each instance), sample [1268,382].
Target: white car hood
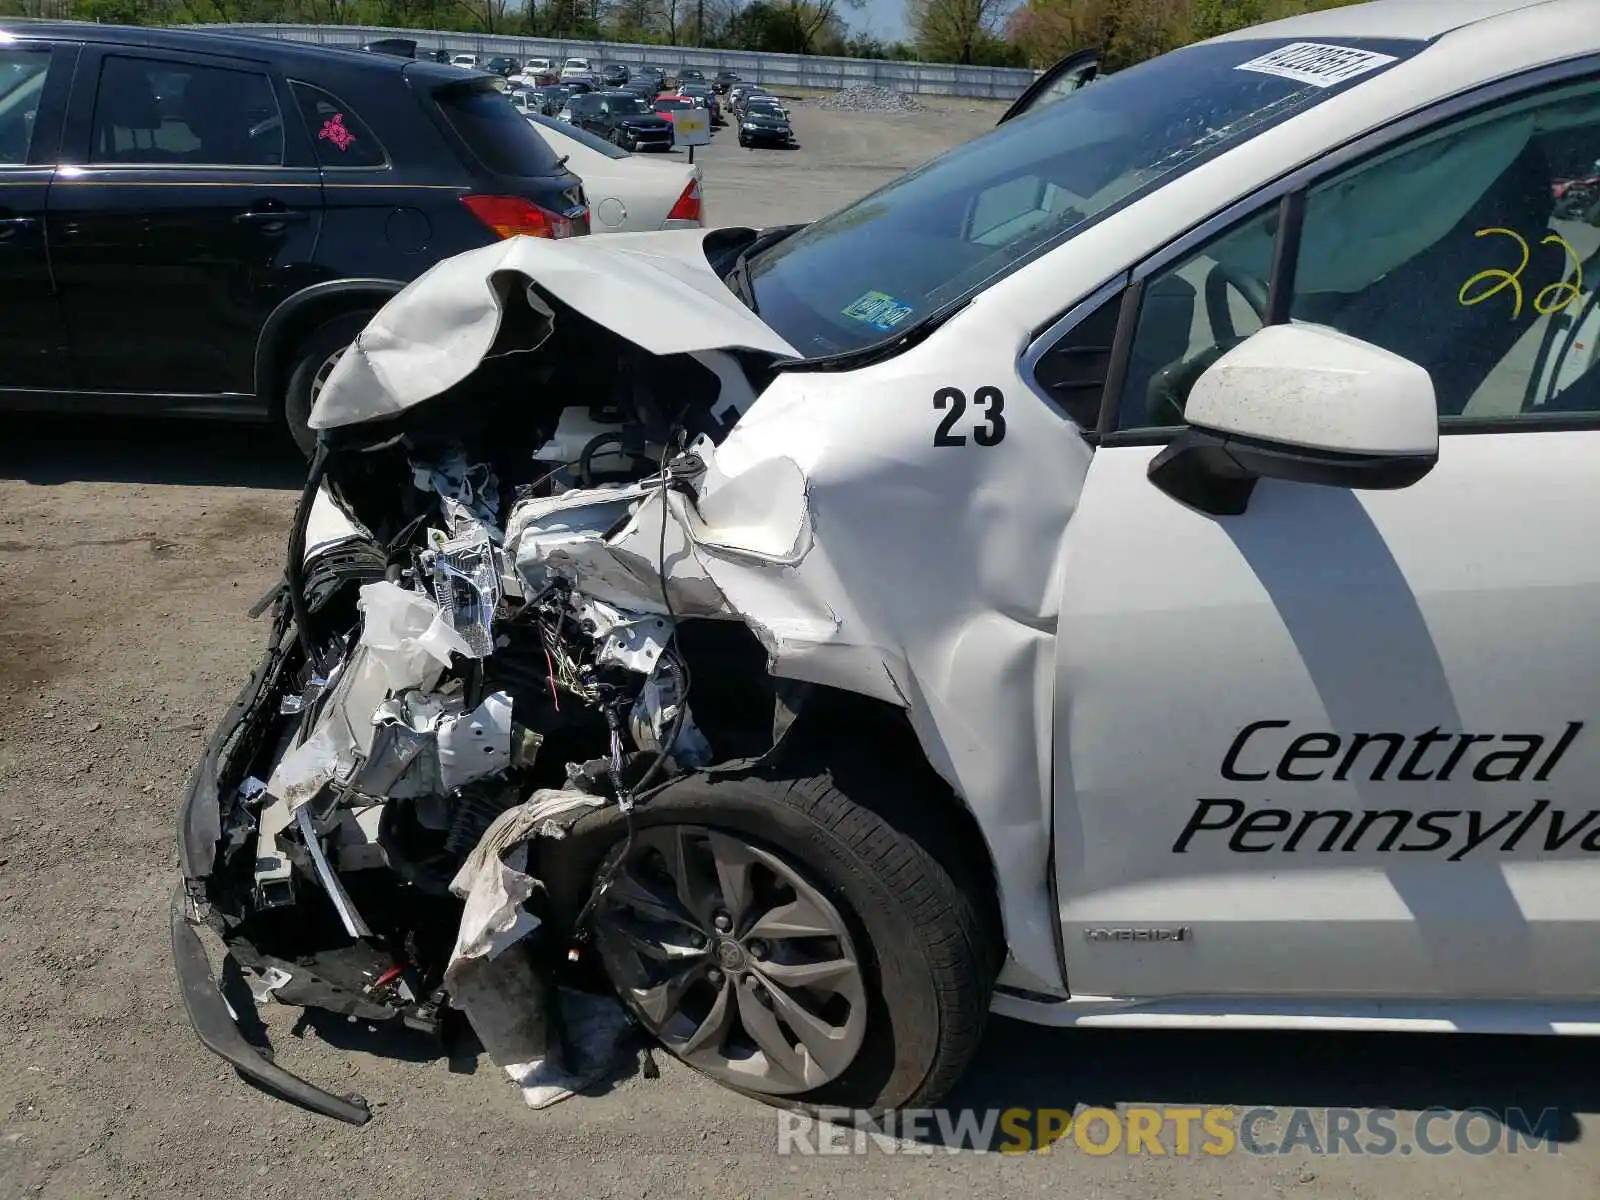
[655,290]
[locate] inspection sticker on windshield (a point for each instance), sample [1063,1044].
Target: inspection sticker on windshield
[1317,64]
[878,309]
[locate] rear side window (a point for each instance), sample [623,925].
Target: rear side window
[22,76]
[154,111]
[341,138]
[496,133]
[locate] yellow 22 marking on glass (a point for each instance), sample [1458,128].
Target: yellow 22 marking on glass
[1568,292]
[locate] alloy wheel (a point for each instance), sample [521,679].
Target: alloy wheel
[733,960]
[320,379]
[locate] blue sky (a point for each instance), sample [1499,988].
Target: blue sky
[884,19]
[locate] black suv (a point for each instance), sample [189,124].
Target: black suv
[199,223]
[503,66]
[625,118]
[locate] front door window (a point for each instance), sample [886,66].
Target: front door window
[1461,250]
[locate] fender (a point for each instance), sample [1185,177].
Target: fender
[305,310]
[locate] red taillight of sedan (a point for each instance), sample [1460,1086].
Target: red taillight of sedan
[687,207]
[512,216]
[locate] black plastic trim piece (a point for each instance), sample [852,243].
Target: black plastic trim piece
[214,1024]
[1528,422]
[1535,422]
[200,814]
[1216,473]
[1285,259]
[1121,346]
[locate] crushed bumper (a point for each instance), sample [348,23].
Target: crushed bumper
[219,1033]
[199,828]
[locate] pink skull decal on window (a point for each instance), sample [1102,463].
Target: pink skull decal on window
[334,131]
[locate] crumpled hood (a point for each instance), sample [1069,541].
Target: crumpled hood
[656,290]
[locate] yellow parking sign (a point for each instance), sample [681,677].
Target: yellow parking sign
[691,126]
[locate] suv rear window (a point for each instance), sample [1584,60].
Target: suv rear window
[496,133]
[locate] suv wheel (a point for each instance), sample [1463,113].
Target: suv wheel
[794,945]
[314,358]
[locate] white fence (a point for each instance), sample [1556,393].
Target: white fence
[769,70]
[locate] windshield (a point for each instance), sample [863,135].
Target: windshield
[951,227]
[625,104]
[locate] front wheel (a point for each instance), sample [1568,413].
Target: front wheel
[793,944]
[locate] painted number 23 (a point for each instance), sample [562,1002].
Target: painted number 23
[952,402]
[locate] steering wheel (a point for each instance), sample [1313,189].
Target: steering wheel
[1219,312]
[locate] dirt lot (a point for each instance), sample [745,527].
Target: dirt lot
[129,555]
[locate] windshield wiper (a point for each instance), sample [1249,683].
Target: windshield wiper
[738,277]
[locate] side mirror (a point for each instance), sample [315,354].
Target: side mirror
[1303,403]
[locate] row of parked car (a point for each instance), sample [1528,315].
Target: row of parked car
[629,106]
[634,120]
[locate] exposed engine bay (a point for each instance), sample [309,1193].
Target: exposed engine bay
[476,630]
[570,717]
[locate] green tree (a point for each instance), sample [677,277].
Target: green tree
[1130,31]
[958,31]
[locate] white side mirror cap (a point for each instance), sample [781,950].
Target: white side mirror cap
[1314,387]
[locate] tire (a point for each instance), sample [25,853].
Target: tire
[915,938]
[310,357]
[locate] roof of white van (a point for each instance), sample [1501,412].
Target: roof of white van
[1419,19]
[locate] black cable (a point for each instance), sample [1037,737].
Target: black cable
[586,455]
[667,744]
[670,742]
[294,571]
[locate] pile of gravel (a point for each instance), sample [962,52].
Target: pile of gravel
[866,97]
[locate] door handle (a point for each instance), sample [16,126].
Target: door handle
[270,216]
[17,223]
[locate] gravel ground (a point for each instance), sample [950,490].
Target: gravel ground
[129,554]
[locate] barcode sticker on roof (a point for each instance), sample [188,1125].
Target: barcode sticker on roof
[1317,64]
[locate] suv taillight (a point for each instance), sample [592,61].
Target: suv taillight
[510,216]
[687,207]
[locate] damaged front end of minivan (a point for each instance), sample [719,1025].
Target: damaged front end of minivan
[520,601]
